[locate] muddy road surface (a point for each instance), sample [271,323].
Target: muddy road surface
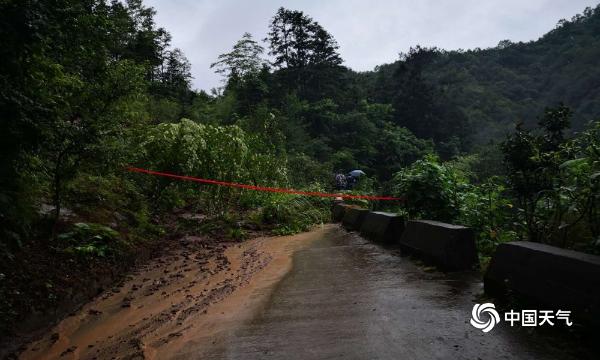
[324,294]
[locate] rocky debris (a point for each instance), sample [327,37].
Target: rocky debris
[68,351]
[47,209]
[193,275]
[190,216]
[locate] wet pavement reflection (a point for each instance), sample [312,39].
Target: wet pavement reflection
[350,299]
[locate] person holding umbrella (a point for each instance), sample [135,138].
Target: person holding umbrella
[353,176]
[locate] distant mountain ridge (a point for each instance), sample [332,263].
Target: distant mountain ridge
[497,87]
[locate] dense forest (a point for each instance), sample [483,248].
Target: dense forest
[480,94]
[505,140]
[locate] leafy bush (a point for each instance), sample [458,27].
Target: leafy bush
[550,193]
[443,192]
[487,209]
[224,153]
[102,198]
[430,189]
[87,239]
[291,214]
[236,233]
[554,181]
[304,170]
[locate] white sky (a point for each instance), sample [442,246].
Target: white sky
[369,32]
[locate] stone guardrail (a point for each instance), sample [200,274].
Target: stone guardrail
[354,217]
[560,278]
[338,211]
[383,227]
[544,274]
[452,247]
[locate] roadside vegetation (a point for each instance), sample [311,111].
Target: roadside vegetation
[89,88]
[545,188]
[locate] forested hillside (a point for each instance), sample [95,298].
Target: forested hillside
[480,94]
[89,88]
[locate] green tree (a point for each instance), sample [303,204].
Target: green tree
[305,54]
[246,75]
[533,163]
[244,60]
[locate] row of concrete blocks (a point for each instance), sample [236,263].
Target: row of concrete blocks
[538,273]
[451,247]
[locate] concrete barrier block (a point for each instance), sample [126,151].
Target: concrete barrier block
[559,278]
[338,211]
[383,227]
[354,217]
[452,247]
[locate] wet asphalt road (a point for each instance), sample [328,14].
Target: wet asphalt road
[347,298]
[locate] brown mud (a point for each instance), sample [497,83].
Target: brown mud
[188,296]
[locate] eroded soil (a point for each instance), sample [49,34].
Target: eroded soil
[189,295]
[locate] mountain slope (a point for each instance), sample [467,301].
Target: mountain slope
[494,88]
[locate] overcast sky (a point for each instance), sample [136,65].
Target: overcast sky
[369,32]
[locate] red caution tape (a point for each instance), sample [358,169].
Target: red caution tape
[259,188]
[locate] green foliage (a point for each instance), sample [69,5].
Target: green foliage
[237,234]
[76,83]
[304,170]
[292,214]
[297,41]
[109,198]
[363,138]
[75,86]
[436,91]
[164,110]
[90,240]
[88,88]
[306,56]
[553,180]
[430,190]
[486,208]
[243,61]
[421,106]
[443,192]
[549,194]
[533,162]
[224,153]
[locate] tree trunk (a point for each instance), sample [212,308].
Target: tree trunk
[57,192]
